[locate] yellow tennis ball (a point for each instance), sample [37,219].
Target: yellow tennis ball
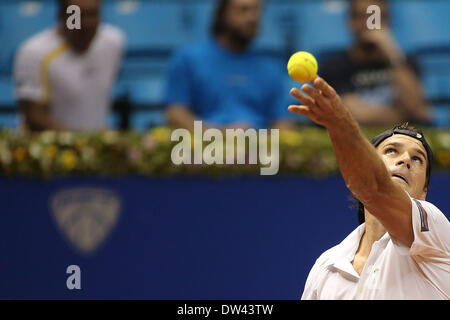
[302,66]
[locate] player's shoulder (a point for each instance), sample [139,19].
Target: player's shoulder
[112,35]
[431,210]
[328,256]
[38,45]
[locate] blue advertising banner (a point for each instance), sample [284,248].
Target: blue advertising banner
[175,238]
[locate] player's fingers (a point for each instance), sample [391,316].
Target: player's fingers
[314,94]
[305,110]
[308,101]
[327,90]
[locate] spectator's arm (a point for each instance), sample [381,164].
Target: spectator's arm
[29,89]
[180,116]
[409,97]
[37,117]
[179,93]
[284,124]
[369,114]
[409,93]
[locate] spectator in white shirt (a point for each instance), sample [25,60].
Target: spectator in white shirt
[64,77]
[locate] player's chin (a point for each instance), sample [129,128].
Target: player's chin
[403,184]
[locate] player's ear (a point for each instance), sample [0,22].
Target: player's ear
[423,195]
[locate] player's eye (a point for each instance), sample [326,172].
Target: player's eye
[389,151]
[419,159]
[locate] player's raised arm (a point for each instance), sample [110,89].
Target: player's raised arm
[362,167]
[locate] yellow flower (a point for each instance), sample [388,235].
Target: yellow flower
[19,154]
[110,136]
[444,138]
[66,138]
[444,157]
[35,150]
[50,151]
[48,137]
[81,142]
[69,159]
[161,134]
[291,138]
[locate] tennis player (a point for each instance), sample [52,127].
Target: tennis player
[402,249]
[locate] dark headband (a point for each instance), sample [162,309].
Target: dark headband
[416,135]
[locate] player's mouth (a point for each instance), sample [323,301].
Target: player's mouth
[400,176]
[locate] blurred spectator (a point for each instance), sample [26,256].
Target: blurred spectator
[377,82]
[224,82]
[64,77]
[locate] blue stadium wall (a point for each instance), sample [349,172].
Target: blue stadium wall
[174,238]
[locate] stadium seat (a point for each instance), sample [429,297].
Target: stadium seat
[9,116]
[198,17]
[146,90]
[421,24]
[20,20]
[113,120]
[9,121]
[274,29]
[7,98]
[441,117]
[142,78]
[323,25]
[435,72]
[146,119]
[148,25]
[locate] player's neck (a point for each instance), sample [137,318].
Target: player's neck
[374,231]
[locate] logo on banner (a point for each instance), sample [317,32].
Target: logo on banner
[86,216]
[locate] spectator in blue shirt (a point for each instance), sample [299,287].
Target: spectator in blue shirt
[222,81]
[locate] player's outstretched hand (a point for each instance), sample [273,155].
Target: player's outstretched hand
[322,105]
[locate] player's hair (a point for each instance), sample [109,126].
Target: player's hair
[376,141]
[218,25]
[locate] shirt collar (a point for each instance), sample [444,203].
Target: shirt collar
[346,250]
[345,253]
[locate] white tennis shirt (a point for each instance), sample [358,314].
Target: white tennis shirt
[392,270]
[76,87]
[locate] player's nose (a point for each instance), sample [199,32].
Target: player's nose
[404,159]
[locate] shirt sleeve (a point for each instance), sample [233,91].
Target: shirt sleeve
[431,231]
[27,75]
[178,81]
[120,44]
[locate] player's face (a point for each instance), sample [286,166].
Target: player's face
[406,161]
[90,19]
[242,18]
